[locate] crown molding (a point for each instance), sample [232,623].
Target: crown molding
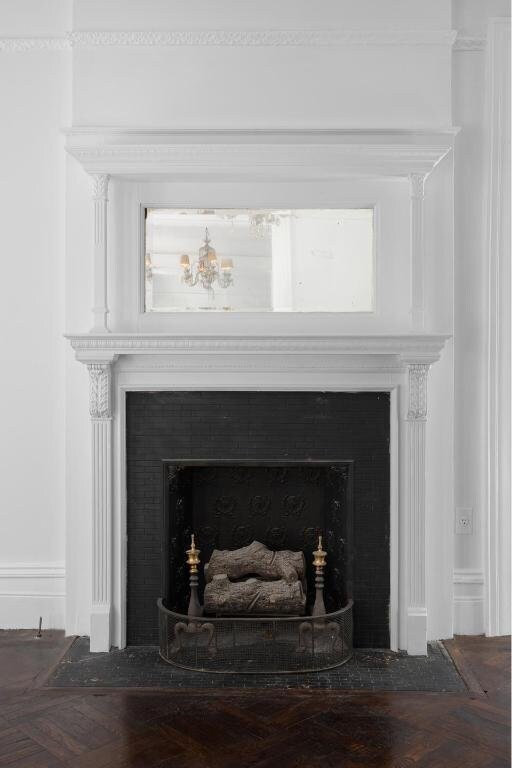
[408,348]
[107,132]
[260,37]
[265,154]
[22,44]
[232,38]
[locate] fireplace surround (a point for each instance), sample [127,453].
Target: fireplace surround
[307,437]
[119,364]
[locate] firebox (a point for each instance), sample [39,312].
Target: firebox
[260,529]
[284,505]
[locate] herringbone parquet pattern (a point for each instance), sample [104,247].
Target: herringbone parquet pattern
[129,729]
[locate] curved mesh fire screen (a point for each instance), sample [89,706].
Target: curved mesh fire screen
[256,645]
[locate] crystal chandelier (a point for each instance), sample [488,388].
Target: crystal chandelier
[260,223]
[206,270]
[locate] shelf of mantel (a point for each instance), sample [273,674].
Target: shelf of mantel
[408,348]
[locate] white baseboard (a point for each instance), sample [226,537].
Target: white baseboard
[31,590]
[468,602]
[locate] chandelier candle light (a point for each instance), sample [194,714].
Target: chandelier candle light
[206,270]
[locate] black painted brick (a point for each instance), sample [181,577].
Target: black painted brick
[263,426]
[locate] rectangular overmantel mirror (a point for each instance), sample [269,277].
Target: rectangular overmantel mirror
[259,260]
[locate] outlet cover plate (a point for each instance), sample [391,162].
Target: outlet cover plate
[464,521]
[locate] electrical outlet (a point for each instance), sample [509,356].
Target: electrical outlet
[464,520]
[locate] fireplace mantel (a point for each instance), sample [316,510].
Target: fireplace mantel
[397,363]
[286,356]
[401,349]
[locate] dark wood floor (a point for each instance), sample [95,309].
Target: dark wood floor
[105,729]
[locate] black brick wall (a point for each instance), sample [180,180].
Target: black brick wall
[266,426]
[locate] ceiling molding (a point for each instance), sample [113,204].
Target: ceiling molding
[232,38]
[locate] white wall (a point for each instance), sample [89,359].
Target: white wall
[34,98]
[46,208]
[253,86]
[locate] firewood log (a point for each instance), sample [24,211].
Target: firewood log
[253,597]
[257,560]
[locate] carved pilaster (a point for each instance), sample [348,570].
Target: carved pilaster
[100,408]
[100,200]
[416,523]
[417,194]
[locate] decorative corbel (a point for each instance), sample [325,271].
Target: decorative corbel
[418,375]
[100,394]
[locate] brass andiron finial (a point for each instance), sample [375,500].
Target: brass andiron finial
[319,560]
[320,626]
[194,606]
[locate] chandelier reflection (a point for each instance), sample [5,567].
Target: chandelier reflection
[207,271]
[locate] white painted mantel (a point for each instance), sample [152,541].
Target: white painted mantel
[118,363]
[271,352]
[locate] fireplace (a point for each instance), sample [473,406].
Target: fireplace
[253,602]
[277,467]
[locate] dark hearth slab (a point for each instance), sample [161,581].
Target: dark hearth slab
[142,667]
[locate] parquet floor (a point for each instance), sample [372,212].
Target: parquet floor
[94,728]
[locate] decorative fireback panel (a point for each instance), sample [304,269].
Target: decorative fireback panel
[284,506]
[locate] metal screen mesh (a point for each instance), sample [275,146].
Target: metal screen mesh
[253,645]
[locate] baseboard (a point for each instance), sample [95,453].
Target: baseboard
[32,590]
[468,602]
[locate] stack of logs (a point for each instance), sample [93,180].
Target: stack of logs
[255,581]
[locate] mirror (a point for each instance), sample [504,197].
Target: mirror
[262,260]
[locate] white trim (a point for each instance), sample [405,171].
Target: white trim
[232,37]
[407,134]
[468,601]
[32,571]
[394,522]
[417,249]
[146,156]
[31,590]
[408,348]
[270,364]
[497,524]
